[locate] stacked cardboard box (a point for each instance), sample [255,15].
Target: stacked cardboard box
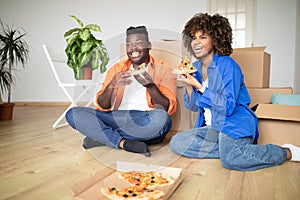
[278,124]
[255,64]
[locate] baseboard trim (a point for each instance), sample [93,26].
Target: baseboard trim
[42,103]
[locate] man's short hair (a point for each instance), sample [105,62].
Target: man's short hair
[137,30]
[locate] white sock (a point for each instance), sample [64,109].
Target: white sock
[294,150]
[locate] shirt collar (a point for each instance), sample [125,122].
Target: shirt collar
[151,63]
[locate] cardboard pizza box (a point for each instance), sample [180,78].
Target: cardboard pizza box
[90,187]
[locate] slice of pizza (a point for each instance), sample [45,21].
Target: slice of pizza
[132,193]
[185,67]
[141,69]
[149,179]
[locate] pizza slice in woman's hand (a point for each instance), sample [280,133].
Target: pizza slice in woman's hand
[185,67]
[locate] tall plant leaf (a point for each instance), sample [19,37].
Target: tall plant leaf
[6,79]
[78,21]
[94,27]
[71,31]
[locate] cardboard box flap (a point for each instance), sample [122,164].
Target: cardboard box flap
[249,49]
[264,95]
[278,112]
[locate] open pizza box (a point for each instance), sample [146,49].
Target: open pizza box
[90,188]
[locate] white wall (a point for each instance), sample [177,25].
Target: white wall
[297,52]
[46,21]
[276,29]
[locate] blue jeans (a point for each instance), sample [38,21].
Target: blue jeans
[240,154]
[110,128]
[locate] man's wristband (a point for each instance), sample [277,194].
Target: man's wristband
[148,85]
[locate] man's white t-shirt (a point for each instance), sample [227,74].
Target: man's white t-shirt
[134,97]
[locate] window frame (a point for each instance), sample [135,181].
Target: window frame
[250,19]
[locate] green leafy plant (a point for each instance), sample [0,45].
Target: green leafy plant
[6,79]
[14,50]
[83,49]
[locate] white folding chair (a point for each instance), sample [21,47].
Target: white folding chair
[84,88]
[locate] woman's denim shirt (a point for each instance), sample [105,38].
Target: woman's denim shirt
[227,98]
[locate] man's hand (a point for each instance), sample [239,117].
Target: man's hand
[144,79]
[121,78]
[157,98]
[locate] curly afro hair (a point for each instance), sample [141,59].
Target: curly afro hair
[216,26]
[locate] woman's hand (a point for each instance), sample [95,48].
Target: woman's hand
[190,80]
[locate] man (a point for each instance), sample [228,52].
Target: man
[133,111]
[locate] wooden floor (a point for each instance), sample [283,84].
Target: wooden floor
[39,163]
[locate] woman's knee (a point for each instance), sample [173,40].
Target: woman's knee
[174,144]
[177,144]
[227,162]
[230,156]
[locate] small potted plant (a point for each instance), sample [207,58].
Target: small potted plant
[14,50]
[84,52]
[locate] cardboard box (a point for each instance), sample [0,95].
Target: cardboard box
[278,124]
[183,118]
[264,95]
[255,64]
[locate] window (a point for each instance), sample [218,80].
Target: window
[241,15]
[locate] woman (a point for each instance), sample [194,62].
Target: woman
[225,128]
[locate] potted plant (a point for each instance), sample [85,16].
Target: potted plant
[84,52]
[5,80]
[13,51]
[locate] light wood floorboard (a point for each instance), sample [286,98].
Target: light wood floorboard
[37,162]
